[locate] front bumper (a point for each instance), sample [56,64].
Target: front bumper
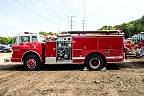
[16,59]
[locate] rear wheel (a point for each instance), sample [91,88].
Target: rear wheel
[31,62]
[95,62]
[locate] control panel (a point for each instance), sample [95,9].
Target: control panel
[64,48]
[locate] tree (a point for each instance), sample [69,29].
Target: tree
[47,33]
[44,33]
[130,28]
[4,40]
[107,28]
[7,40]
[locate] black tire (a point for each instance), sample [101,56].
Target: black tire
[32,63]
[95,62]
[5,51]
[138,55]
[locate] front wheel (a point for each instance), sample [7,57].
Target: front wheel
[95,62]
[31,63]
[5,51]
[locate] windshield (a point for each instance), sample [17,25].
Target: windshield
[142,36]
[137,38]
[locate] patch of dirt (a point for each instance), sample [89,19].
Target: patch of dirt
[123,79]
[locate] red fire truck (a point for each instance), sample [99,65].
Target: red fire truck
[94,49]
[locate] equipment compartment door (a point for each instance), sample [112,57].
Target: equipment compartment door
[79,44]
[64,49]
[113,47]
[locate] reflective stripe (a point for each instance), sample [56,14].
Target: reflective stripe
[78,57]
[114,57]
[78,49]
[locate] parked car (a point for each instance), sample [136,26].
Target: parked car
[5,48]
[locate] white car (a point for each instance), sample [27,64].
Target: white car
[5,48]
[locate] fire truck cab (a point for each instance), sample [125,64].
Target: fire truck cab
[28,37]
[94,49]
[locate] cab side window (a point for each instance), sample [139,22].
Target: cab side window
[34,39]
[25,38]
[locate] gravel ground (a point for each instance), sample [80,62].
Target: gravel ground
[125,79]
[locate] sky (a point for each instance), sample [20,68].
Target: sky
[54,15]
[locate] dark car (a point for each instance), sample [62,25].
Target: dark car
[5,48]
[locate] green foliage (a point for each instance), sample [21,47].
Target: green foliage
[107,28]
[45,33]
[7,40]
[130,28]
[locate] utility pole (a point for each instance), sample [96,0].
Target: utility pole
[84,14]
[83,23]
[71,22]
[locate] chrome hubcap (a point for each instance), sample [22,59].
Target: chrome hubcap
[31,63]
[94,63]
